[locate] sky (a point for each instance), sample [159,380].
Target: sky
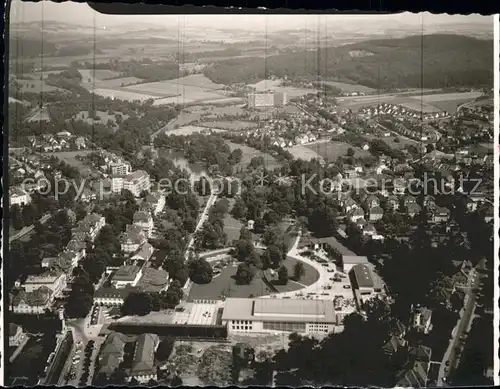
[82,13]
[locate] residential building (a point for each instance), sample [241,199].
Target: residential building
[413,209]
[80,142]
[156,202]
[144,220]
[16,335]
[369,230]
[143,366]
[52,280]
[89,227]
[356,214]
[262,315]
[126,276]
[371,201]
[441,214]
[111,354]
[394,345]
[18,196]
[117,184]
[137,182]
[32,303]
[133,238]
[392,203]
[144,254]
[376,213]
[120,168]
[416,370]
[422,320]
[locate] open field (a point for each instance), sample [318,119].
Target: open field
[121,94]
[236,125]
[275,86]
[348,87]
[304,152]
[249,153]
[36,86]
[38,114]
[403,142]
[189,130]
[69,158]
[264,85]
[330,151]
[232,226]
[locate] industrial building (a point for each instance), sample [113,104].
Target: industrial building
[268,315]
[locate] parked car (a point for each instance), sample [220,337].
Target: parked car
[347,286]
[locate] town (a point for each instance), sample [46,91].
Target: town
[284,232]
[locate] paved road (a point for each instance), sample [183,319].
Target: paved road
[463,325]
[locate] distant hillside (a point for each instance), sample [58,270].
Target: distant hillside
[30,48]
[438,61]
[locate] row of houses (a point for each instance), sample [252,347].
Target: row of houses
[57,142]
[38,292]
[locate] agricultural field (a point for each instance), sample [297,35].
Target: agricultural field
[36,86]
[349,88]
[449,101]
[38,115]
[189,130]
[330,151]
[236,125]
[121,94]
[275,86]
[249,153]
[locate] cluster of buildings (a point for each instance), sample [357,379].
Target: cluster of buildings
[400,112]
[266,99]
[112,354]
[37,293]
[63,140]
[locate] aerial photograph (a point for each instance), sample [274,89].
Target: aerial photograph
[243,200]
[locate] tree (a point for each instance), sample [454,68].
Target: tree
[200,271]
[298,271]
[176,381]
[165,348]
[16,217]
[283,275]
[137,303]
[273,256]
[244,274]
[239,209]
[243,249]
[350,152]
[189,224]
[245,234]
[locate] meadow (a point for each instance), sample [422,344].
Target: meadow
[250,152]
[330,151]
[236,125]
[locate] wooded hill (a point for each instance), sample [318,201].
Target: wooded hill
[422,61]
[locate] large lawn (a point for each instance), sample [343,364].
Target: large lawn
[69,158]
[330,151]
[249,153]
[225,284]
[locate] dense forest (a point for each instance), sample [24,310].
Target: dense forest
[428,61]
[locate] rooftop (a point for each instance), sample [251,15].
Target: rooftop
[280,309]
[126,273]
[354,260]
[363,276]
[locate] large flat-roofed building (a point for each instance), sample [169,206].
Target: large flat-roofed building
[268,315]
[362,279]
[256,100]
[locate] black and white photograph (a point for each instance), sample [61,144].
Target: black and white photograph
[250,199]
